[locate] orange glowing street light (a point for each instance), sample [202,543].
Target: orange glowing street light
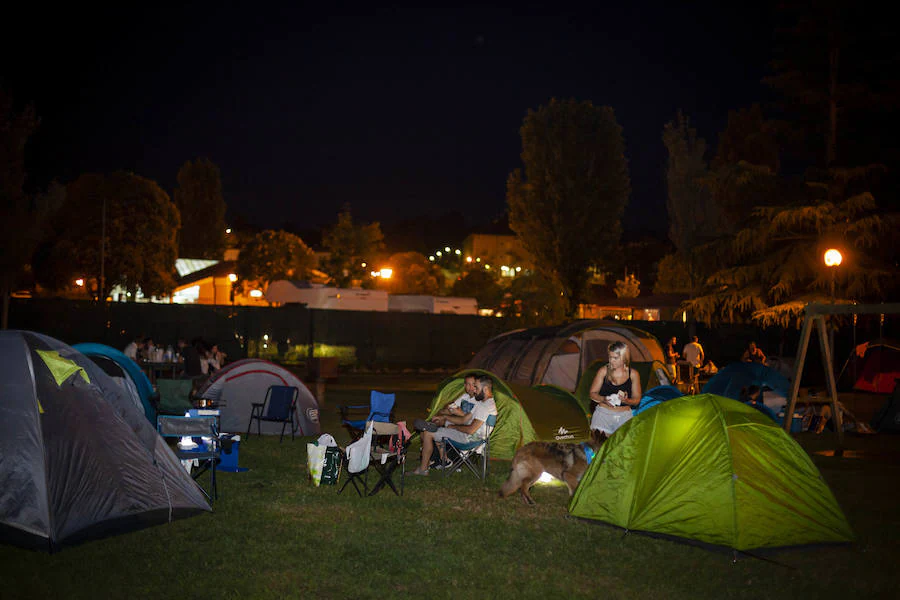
[833,258]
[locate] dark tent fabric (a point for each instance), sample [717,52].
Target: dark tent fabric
[127,368]
[714,470]
[524,414]
[887,419]
[879,368]
[78,459]
[236,386]
[560,355]
[731,379]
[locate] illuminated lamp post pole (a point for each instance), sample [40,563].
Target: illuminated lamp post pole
[833,260]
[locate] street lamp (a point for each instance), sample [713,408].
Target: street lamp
[833,259]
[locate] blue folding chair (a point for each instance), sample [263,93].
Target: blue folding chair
[279,406]
[355,417]
[469,454]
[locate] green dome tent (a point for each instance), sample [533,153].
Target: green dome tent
[711,469]
[525,414]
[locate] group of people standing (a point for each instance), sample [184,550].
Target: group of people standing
[199,357]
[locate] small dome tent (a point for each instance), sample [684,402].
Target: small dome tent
[524,414]
[78,458]
[125,372]
[237,385]
[560,355]
[729,380]
[710,469]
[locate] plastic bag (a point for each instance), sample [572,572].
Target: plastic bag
[315,460]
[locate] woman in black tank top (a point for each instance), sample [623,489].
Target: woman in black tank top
[617,378]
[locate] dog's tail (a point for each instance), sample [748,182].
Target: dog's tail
[514,481]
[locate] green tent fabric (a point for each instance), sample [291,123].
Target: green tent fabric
[652,374]
[525,414]
[61,368]
[711,469]
[174,395]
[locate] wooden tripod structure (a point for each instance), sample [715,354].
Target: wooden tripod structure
[815,318]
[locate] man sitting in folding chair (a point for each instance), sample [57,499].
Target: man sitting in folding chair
[464,428]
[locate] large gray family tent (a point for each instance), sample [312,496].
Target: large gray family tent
[561,355]
[78,458]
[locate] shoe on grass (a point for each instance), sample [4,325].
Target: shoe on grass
[419,472]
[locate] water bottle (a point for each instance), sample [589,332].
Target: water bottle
[169,354]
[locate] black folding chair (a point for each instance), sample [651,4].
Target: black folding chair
[386,458]
[207,454]
[278,406]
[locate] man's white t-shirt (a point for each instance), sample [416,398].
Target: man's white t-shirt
[481,412]
[131,351]
[692,353]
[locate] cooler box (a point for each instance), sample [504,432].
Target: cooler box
[796,422]
[229,460]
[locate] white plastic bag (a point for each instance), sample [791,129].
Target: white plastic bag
[358,452]
[326,439]
[315,458]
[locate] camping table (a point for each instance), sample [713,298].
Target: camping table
[155,370]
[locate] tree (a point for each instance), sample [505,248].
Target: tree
[629,287]
[835,67]
[352,247]
[199,200]
[568,204]
[532,301]
[273,255]
[776,265]
[748,137]
[413,274]
[480,284]
[24,216]
[139,249]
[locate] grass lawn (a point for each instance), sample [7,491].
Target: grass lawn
[274,535]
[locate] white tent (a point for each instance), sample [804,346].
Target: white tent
[238,385]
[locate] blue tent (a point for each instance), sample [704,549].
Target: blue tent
[128,367]
[657,395]
[730,380]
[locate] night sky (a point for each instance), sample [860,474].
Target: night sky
[400,112]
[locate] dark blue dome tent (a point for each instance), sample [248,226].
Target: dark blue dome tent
[730,380]
[125,372]
[78,458]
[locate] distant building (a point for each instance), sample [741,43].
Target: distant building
[496,250]
[659,307]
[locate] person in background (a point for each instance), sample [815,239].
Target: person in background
[216,358]
[147,349]
[454,409]
[131,350]
[672,358]
[192,367]
[693,352]
[753,354]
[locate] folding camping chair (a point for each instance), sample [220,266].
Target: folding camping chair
[357,457]
[468,454]
[387,457]
[355,417]
[279,406]
[206,453]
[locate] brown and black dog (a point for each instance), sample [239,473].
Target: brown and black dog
[566,462]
